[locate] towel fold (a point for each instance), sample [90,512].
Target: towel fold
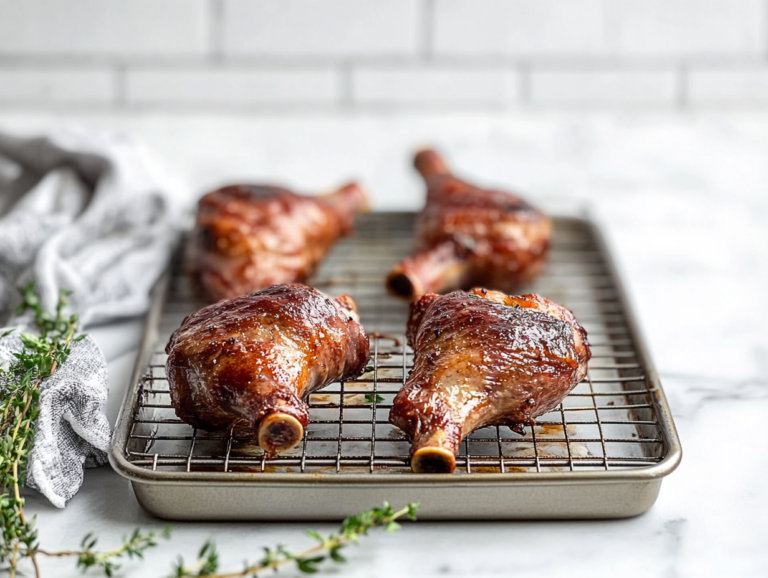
[93,213]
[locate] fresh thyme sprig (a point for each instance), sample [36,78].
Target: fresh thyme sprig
[133,546]
[20,382]
[19,407]
[307,561]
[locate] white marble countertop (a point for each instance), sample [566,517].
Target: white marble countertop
[683,200]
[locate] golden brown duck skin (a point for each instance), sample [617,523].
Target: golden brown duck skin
[484,358]
[468,236]
[252,361]
[248,237]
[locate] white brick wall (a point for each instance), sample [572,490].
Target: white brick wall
[103,27]
[604,87]
[48,86]
[321,27]
[438,86]
[224,87]
[519,27]
[344,54]
[728,86]
[675,28]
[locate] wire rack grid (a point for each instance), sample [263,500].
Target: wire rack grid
[608,422]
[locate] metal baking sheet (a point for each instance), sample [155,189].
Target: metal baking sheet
[601,454]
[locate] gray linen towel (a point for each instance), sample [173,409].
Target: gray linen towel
[91,212]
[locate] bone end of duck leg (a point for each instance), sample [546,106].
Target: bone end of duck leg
[404,284]
[433,461]
[279,432]
[429,163]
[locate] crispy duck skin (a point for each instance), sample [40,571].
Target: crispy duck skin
[251,362]
[248,237]
[483,358]
[467,236]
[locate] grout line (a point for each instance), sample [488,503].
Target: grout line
[121,92]
[524,84]
[216,28]
[556,61]
[344,106]
[681,88]
[428,29]
[347,90]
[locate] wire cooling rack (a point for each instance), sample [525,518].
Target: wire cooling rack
[608,422]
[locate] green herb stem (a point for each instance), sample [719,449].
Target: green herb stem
[306,561]
[87,557]
[38,360]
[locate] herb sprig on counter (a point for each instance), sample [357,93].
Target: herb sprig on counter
[327,548]
[131,547]
[20,385]
[19,407]
[208,563]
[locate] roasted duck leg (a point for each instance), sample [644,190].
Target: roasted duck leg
[483,358]
[467,236]
[252,361]
[248,237]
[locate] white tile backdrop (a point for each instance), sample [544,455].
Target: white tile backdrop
[374,54]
